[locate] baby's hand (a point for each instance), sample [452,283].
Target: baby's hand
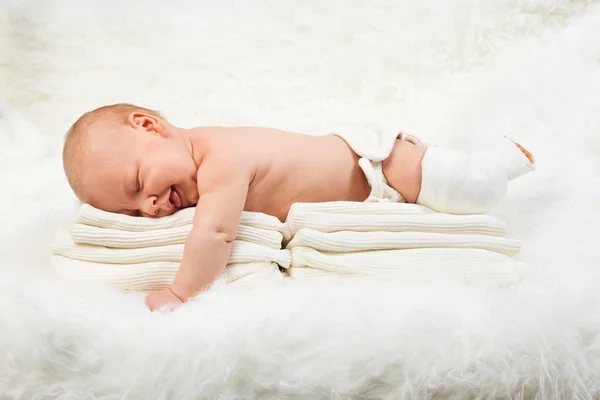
[164,297]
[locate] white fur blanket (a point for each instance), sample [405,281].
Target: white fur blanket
[454,72]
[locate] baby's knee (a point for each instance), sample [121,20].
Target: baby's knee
[461,183]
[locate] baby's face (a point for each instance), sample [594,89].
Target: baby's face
[139,173]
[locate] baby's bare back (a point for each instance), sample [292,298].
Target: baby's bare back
[290,167]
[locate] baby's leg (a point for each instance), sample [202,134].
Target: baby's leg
[402,169]
[453,181]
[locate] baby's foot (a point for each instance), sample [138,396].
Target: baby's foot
[516,158]
[526,152]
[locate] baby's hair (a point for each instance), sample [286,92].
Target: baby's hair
[77,135]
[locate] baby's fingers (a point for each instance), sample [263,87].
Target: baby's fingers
[163,298]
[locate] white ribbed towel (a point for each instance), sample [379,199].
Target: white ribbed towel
[434,222]
[470,264]
[87,234]
[241,252]
[354,207]
[329,239]
[154,275]
[89,215]
[133,253]
[348,241]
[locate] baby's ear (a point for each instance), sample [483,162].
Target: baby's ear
[147,122]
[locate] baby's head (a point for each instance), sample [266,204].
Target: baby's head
[128,159]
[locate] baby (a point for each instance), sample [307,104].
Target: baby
[128,159]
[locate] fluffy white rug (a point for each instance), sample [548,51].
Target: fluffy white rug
[454,71]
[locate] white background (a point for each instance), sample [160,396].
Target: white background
[458,73]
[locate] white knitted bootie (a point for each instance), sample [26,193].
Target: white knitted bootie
[457,182]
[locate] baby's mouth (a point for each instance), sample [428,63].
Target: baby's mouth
[174,197]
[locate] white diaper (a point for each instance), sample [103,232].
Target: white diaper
[381,191]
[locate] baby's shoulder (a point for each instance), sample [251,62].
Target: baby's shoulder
[225,147]
[252,142]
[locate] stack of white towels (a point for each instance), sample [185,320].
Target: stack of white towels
[317,241]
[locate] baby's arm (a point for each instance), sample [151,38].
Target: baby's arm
[223,188]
